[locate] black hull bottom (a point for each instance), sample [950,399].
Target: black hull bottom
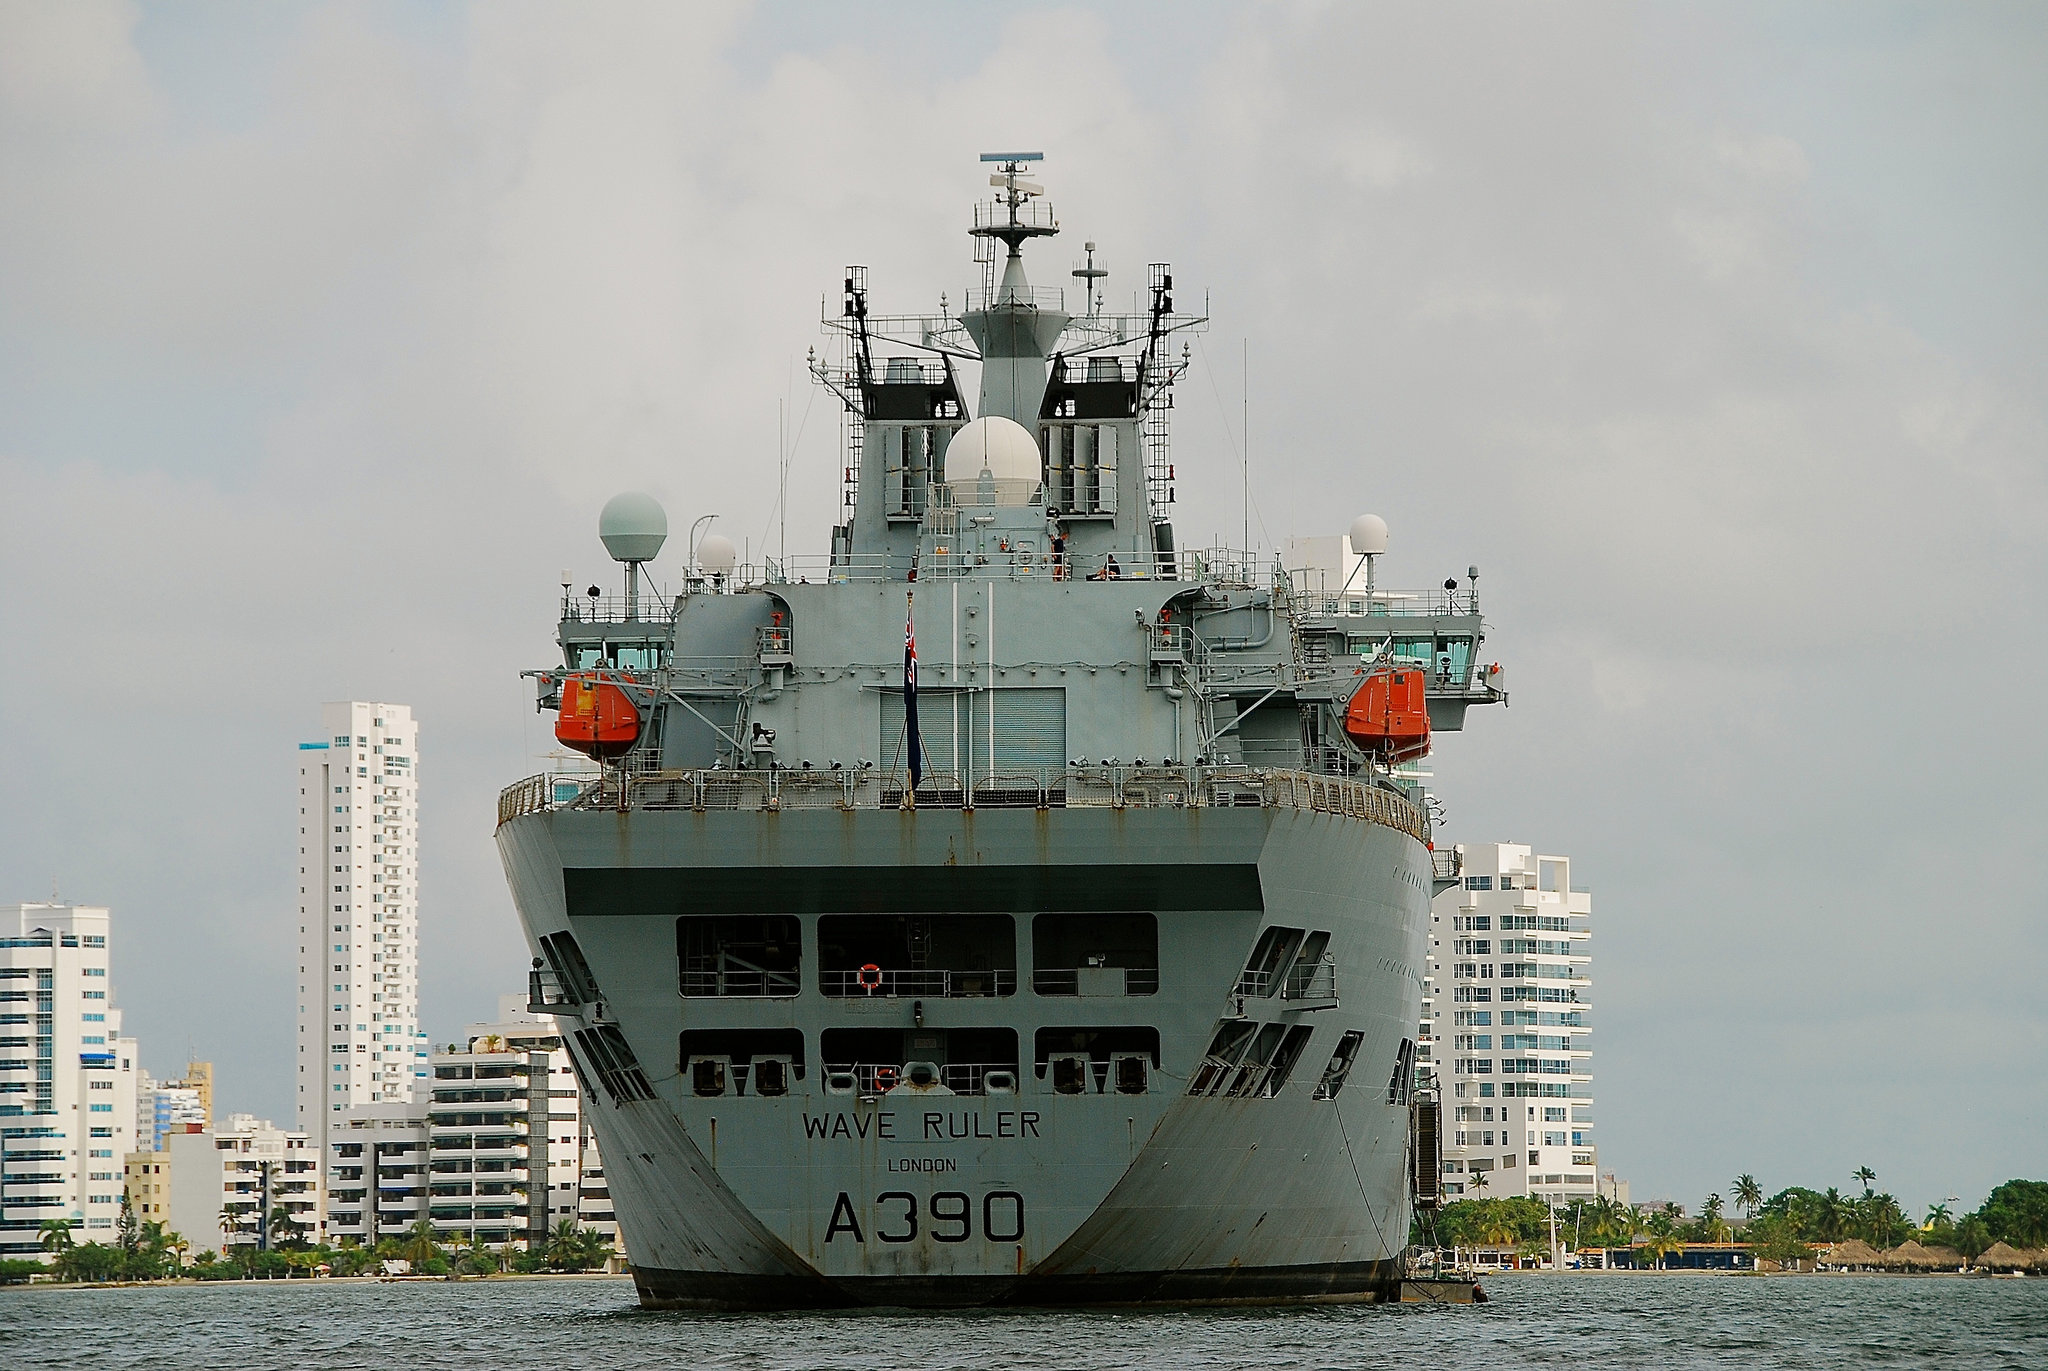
[1331,1283]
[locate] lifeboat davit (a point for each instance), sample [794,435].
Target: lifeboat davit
[597,718]
[1388,715]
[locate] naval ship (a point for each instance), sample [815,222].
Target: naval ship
[1008,906]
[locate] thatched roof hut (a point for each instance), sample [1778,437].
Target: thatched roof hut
[1854,1253]
[2004,1257]
[1947,1258]
[1911,1256]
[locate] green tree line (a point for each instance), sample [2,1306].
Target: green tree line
[1780,1227]
[150,1251]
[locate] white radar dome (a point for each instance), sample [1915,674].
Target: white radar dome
[716,556]
[1004,449]
[633,527]
[1368,535]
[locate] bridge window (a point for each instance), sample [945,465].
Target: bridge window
[1095,954]
[938,956]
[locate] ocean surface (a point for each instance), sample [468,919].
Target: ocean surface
[1594,1321]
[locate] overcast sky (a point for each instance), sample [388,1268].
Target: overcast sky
[1715,335]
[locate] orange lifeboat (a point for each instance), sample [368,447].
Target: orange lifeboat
[1389,714]
[597,718]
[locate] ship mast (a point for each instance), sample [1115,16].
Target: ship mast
[1015,330]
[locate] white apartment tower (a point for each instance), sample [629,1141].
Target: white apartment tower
[499,1151]
[358,1029]
[1507,1016]
[67,1078]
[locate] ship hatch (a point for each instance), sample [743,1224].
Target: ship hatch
[1096,1061]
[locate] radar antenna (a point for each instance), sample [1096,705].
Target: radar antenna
[1090,274]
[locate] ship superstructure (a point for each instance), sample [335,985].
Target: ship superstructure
[1074,956]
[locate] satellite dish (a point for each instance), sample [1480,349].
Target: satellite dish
[1368,536]
[716,556]
[633,527]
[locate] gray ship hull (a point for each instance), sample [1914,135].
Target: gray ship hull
[1257,1185]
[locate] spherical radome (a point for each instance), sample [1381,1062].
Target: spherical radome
[1004,449]
[1368,535]
[633,527]
[716,556]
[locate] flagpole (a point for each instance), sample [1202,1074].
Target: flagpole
[911,737]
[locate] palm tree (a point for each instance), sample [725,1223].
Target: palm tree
[284,1229]
[56,1236]
[1662,1245]
[1936,1214]
[1478,1183]
[419,1246]
[480,1257]
[1747,1193]
[593,1248]
[1831,1219]
[1865,1175]
[561,1244]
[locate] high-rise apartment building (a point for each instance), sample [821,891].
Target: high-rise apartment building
[160,1104]
[359,1040]
[67,1077]
[1507,1018]
[499,1152]
[229,1181]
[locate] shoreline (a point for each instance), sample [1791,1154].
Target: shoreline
[1489,1273]
[193,1282]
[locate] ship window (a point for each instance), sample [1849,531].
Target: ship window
[1403,1074]
[739,954]
[1276,948]
[750,1061]
[612,1061]
[572,972]
[1224,1049]
[964,1061]
[1284,1058]
[1313,975]
[1095,954]
[938,956]
[1092,1061]
[1251,1070]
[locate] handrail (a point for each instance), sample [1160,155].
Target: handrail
[1073,787]
[892,984]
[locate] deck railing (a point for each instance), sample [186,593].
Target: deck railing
[880,984]
[1074,787]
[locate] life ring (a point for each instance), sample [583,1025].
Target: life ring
[869,978]
[885,1079]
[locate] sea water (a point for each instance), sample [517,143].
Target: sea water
[1590,1320]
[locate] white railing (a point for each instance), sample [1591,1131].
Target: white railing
[1075,787]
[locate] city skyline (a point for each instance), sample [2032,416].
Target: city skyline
[1712,336]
